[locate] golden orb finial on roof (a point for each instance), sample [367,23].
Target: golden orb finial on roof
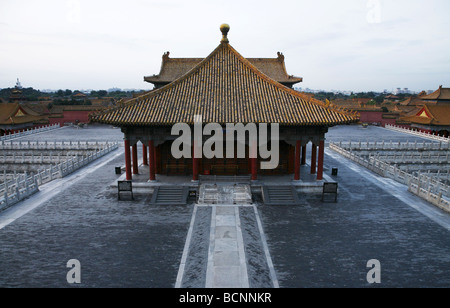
[224,28]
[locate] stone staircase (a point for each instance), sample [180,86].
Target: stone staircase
[280,195]
[170,195]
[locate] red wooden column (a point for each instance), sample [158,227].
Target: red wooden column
[313,158]
[151,159]
[144,155]
[135,159]
[154,158]
[304,155]
[298,148]
[320,162]
[127,160]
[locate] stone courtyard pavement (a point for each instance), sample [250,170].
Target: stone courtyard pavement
[135,244]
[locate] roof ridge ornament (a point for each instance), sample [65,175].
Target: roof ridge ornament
[280,56]
[224,28]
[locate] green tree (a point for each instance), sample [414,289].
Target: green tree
[102,93]
[379,99]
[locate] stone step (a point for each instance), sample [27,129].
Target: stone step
[280,195]
[170,195]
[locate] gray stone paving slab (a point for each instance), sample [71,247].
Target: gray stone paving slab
[229,244]
[227,264]
[328,244]
[226,276]
[118,243]
[225,232]
[226,258]
[194,271]
[371,134]
[259,266]
[225,220]
[66,133]
[317,244]
[225,210]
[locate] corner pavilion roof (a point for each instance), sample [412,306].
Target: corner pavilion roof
[225,88]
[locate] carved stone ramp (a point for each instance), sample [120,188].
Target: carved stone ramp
[225,193]
[280,195]
[170,195]
[237,179]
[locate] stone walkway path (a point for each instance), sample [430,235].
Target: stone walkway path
[234,247]
[227,266]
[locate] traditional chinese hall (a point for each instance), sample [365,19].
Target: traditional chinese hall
[224,87]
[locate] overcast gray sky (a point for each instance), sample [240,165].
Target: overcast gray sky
[357,45]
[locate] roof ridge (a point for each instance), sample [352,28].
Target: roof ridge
[428,110]
[280,58]
[439,90]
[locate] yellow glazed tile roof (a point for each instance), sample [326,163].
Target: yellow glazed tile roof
[432,115]
[225,88]
[439,94]
[173,68]
[13,113]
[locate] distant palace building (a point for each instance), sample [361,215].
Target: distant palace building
[434,115]
[439,97]
[15,117]
[224,88]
